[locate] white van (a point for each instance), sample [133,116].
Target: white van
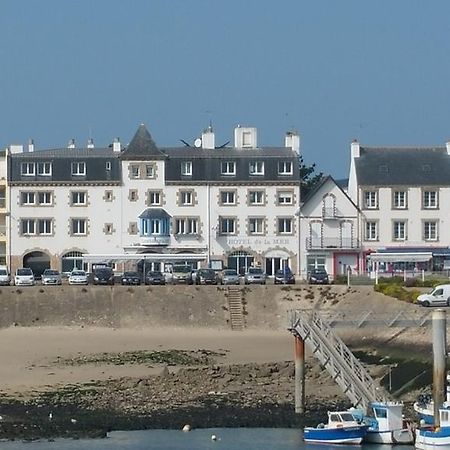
[439,296]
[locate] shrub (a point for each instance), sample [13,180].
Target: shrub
[397,291]
[340,279]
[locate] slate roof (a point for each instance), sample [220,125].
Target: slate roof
[155,213]
[379,166]
[142,147]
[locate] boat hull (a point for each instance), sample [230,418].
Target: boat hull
[432,439]
[405,436]
[343,435]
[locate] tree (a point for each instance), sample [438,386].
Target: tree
[308,177]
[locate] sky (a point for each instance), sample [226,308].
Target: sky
[376,71]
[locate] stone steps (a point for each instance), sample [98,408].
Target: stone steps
[236,308]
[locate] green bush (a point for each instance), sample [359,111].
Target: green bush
[397,291]
[340,279]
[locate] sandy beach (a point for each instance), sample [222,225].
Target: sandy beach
[29,355]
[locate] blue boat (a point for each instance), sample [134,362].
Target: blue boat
[342,428]
[435,438]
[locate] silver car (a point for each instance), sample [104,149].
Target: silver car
[255,275]
[51,276]
[229,276]
[78,277]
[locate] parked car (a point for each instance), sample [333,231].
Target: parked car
[5,279]
[128,278]
[284,276]
[155,277]
[230,276]
[24,277]
[255,275]
[103,275]
[78,277]
[206,276]
[318,276]
[51,276]
[181,274]
[439,296]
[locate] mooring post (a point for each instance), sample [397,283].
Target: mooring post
[299,375]
[439,320]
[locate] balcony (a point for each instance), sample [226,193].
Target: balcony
[155,240]
[332,243]
[330,213]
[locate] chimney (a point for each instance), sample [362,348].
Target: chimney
[30,146]
[292,140]
[71,143]
[208,138]
[447,146]
[245,137]
[355,149]
[116,145]
[90,143]
[15,148]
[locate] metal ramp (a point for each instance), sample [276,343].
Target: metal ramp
[345,369]
[235,308]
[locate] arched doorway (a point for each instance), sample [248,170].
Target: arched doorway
[241,261]
[37,262]
[71,261]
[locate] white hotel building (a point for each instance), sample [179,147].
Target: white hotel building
[218,206]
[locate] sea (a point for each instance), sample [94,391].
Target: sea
[197,439]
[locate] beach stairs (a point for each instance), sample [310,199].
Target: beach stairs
[345,369]
[236,308]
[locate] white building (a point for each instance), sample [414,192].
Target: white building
[219,206]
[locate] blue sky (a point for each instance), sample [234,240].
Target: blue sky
[333,70]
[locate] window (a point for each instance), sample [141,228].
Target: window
[108,196]
[44,168]
[256,168]
[27,198]
[399,231]
[154,198]
[108,166]
[246,139]
[430,230]
[430,199]
[149,170]
[78,227]
[227,225]
[186,168]
[134,171]
[370,199]
[371,231]
[285,168]
[45,198]
[45,226]
[285,198]
[228,197]
[27,169]
[78,198]
[108,229]
[186,225]
[228,168]
[78,168]
[285,225]
[132,228]
[133,195]
[186,198]
[399,200]
[28,226]
[256,225]
[256,197]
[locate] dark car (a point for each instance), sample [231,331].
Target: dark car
[103,275]
[206,276]
[284,276]
[318,276]
[131,278]
[154,277]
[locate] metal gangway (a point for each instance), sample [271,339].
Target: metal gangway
[345,369]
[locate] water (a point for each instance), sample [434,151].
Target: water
[227,439]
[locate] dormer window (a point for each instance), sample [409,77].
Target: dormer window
[285,168]
[256,168]
[44,169]
[228,168]
[78,169]
[186,168]
[150,171]
[134,171]
[27,169]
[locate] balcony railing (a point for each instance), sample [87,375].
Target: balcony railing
[155,240]
[332,243]
[330,213]
[2,230]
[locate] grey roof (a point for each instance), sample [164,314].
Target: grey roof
[142,147]
[155,213]
[64,152]
[379,166]
[227,152]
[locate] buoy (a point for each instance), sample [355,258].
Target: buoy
[187,428]
[214,437]
[74,421]
[50,416]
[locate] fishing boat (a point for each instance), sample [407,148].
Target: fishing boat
[424,406]
[386,424]
[430,437]
[342,428]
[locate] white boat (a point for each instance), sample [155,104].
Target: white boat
[386,424]
[342,428]
[430,437]
[425,406]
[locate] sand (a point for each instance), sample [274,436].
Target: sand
[28,355]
